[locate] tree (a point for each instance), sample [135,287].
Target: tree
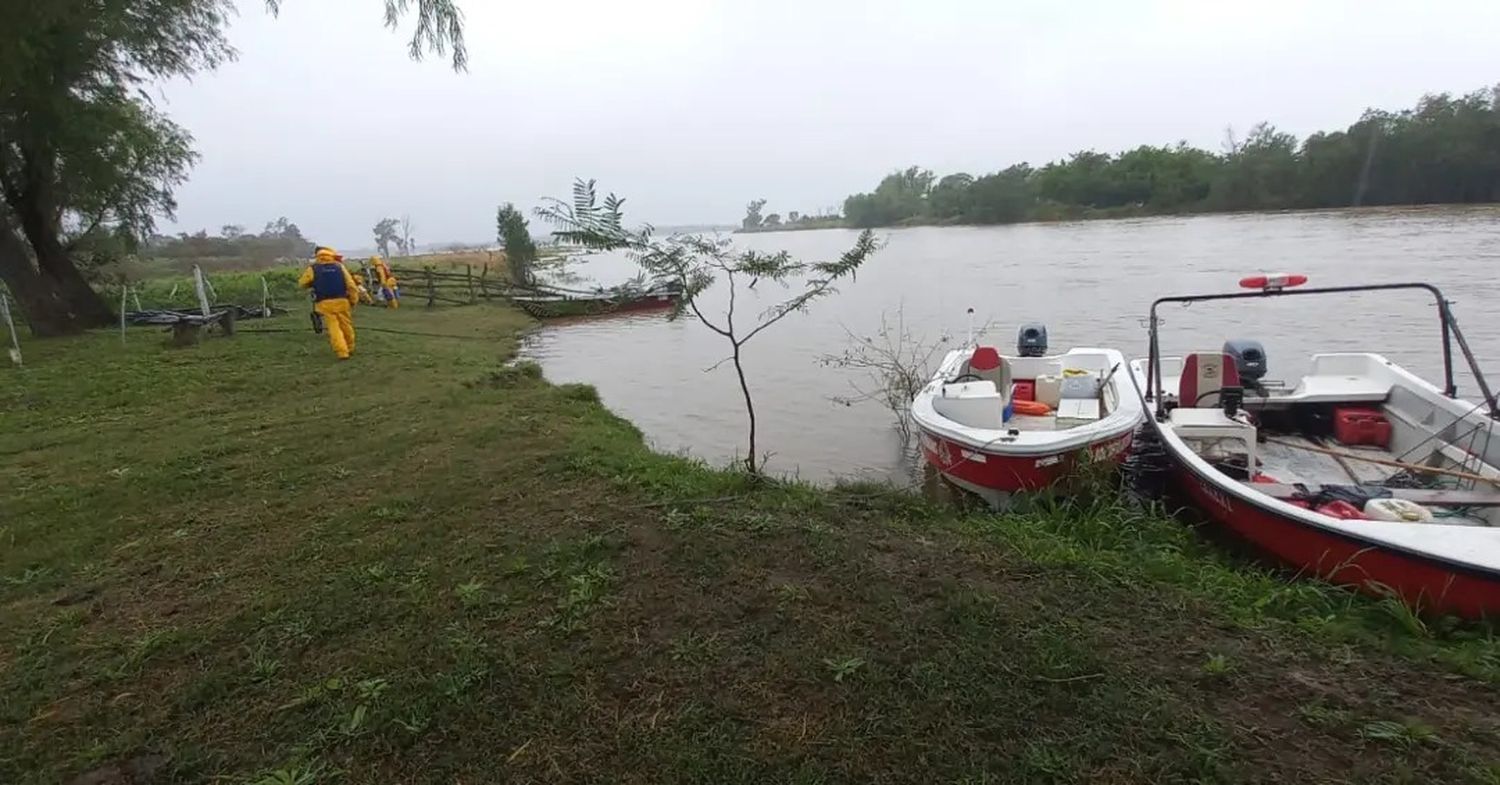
[404,243]
[1259,173]
[385,234]
[950,197]
[83,149]
[515,238]
[773,220]
[695,263]
[752,218]
[793,216]
[901,196]
[231,231]
[1444,150]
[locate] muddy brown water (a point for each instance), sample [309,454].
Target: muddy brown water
[1090,282]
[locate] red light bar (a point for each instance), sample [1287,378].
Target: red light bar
[1272,283]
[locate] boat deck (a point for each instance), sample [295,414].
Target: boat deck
[1286,463]
[1287,460]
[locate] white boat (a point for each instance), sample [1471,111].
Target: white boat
[1358,472]
[996,424]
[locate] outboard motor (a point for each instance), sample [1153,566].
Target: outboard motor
[1250,359]
[1032,340]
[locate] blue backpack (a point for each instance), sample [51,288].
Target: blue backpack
[328,282]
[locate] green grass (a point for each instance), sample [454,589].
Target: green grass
[245,562]
[176,291]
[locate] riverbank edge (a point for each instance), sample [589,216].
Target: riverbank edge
[1123,214]
[611,524]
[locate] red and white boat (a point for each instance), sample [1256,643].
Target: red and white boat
[1358,472]
[996,424]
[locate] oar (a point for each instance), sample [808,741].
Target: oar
[1463,475]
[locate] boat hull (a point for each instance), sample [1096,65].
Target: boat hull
[996,475]
[559,308]
[1423,582]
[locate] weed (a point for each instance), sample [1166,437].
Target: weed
[1321,715]
[370,690]
[141,650]
[1046,762]
[1402,733]
[1217,665]
[790,593]
[585,592]
[295,774]
[470,594]
[843,667]
[415,723]
[263,667]
[1403,616]
[27,577]
[517,565]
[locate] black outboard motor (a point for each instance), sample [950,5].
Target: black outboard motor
[1250,359]
[1032,340]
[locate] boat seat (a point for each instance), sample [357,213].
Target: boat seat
[1204,374]
[987,364]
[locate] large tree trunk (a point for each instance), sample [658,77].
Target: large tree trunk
[81,307]
[41,304]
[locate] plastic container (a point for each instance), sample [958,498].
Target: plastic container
[1048,390]
[1361,425]
[1024,390]
[1080,386]
[1403,510]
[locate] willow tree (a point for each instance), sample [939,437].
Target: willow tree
[83,151]
[694,263]
[515,238]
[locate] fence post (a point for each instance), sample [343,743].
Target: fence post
[15,343]
[431,290]
[198,285]
[124,290]
[469,276]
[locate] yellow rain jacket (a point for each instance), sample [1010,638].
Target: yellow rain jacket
[334,294]
[387,281]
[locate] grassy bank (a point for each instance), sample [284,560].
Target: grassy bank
[244,562]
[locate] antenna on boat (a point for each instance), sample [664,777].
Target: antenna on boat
[971,326]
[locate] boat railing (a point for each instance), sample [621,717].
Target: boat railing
[1447,324]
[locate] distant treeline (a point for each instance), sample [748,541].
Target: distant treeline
[1446,150]
[233,247]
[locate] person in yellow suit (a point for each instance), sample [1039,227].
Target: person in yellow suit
[364,293]
[334,297]
[386,279]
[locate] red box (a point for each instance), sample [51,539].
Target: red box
[1361,425]
[1025,390]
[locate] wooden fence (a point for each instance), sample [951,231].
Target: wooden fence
[453,287]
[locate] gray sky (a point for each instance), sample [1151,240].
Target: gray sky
[691,108]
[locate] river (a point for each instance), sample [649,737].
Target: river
[1091,282]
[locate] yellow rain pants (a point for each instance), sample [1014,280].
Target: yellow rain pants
[337,311]
[338,322]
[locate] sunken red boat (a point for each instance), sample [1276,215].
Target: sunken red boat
[1358,472]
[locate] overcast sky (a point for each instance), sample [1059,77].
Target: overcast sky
[690,108]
